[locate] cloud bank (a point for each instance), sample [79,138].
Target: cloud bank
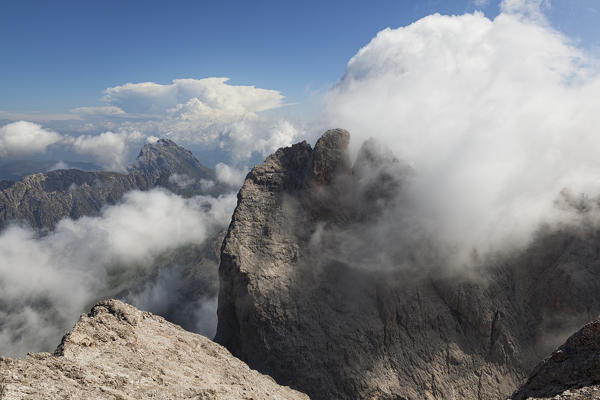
[496,117]
[91,257]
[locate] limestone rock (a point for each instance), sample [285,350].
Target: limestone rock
[120,352]
[303,297]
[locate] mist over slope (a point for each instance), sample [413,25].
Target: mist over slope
[73,237]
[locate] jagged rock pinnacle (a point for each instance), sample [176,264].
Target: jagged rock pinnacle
[330,156]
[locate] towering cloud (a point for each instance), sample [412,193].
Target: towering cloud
[496,117]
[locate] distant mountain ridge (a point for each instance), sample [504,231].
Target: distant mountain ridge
[13,170]
[41,200]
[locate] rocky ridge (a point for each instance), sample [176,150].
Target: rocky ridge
[41,200]
[119,352]
[299,301]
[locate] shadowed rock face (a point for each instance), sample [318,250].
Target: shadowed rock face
[157,162]
[120,352]
[41,200]
[572,371]
[300,301]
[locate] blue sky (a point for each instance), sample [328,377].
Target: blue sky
[63,54]
[59,58]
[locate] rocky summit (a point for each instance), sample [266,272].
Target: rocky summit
[119,352]
[313,295]
[41,200]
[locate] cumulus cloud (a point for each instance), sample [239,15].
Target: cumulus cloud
[208,97]
[206,112]
[111,150]
[229,175]
[496,117]
[87,259]
[24,138]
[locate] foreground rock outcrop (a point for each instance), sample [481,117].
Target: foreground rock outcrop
[572,371]
[41,200]
[120,352]
[316,293]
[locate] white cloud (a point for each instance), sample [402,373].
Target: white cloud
[59,165]
[70,268]
[111,150]
[208,98]
[496,116]
[205,113]
[481,3]
[246,137]
[229,175]
[23,138]
[181,180]
[102,111]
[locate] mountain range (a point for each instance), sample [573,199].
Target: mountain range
[312,294]
[43,199]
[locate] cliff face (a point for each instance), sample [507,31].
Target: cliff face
[119,352]
[304,301]
[41,200]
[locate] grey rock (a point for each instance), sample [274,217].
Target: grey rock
[41,200]
[299,300]
[119,352]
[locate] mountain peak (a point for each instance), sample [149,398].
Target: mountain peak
[330,156]
[165,157]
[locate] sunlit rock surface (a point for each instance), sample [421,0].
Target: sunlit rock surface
[120,352]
